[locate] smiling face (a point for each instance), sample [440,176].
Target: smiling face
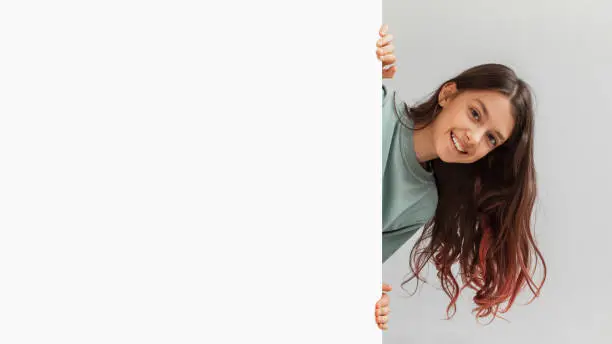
[471,124]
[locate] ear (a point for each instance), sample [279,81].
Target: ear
[448,91]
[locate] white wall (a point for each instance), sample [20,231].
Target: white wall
[563,49]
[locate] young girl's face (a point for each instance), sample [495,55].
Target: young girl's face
[471,124]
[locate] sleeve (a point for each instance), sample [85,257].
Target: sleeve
[392,104]
[393,240]
[388,109]
[386,95]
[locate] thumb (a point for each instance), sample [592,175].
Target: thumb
[386,287]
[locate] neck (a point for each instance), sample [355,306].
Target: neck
[424,145]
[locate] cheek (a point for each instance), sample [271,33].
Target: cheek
[454,119]
[446,122]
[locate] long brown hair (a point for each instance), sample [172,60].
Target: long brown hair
[483,217]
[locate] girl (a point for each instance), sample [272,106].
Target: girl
[460,165]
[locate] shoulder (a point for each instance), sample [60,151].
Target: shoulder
[425,208]
[432,200]
[422,208]
[393,103]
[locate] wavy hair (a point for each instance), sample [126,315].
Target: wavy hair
[482,221]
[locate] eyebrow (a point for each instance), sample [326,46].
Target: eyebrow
[486,112]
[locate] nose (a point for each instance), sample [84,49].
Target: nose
[475,136]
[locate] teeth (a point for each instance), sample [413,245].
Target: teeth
[457,145]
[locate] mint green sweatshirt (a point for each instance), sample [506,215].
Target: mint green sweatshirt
[409,195]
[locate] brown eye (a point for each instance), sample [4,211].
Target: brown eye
[475,114]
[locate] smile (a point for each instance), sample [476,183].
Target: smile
[457,145]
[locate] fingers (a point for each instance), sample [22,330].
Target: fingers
[386,39]
[386,55]
[389,69]
[382,322]
[384,299]
[381,317]
[388,49]
[383,311]
[383,326]
[389,72]
[383,302]
[387,59]
[383,30]
[385,52]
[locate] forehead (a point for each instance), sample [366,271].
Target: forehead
[497,105]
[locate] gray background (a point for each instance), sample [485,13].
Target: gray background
[563,49]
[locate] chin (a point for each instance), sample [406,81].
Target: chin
[445,159]
[452,159]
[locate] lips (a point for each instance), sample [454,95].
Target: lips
[457,144]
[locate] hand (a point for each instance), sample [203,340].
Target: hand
[384,52]
[381,312]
